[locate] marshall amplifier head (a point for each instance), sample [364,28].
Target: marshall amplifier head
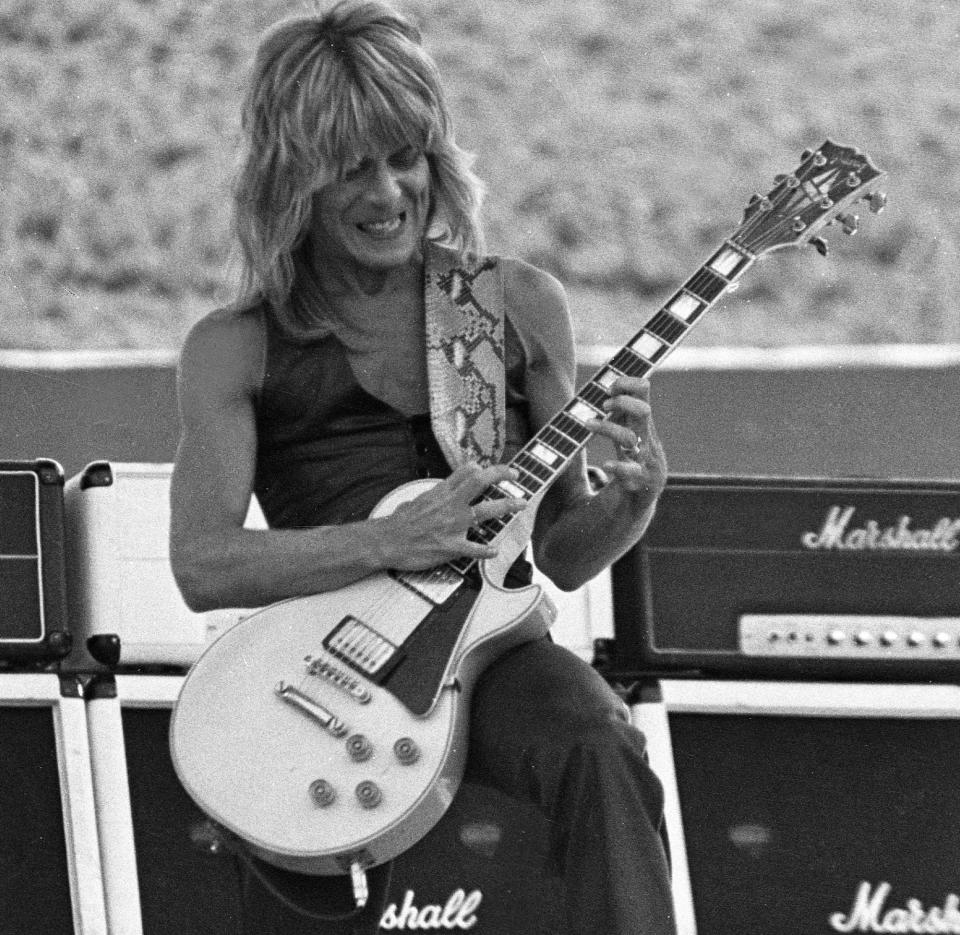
[33,596]
[777,577]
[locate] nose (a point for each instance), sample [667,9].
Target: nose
[385,183]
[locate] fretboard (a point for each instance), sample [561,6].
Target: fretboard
[552,448]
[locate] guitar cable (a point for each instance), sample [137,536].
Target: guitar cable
[380,889]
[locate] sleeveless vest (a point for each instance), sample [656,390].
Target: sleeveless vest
[329,451]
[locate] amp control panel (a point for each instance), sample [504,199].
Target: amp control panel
[849,636]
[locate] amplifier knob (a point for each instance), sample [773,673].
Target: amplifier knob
[916,638]
[888,638]
[863,638]
[836,637]
[941,640]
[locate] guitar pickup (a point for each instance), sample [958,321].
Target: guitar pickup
[361,647]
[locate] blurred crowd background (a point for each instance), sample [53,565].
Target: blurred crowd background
[620,140]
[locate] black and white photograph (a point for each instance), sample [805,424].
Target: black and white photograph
[470,465]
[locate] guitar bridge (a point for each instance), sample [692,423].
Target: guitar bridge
[362,647]
[323,668]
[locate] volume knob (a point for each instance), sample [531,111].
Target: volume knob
[368,794]
[322,793]
[406,751]
[359,748]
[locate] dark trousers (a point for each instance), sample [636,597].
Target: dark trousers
[545,728]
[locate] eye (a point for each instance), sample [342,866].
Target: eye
[356,169]
[405,158]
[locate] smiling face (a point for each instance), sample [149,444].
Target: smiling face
[372,218]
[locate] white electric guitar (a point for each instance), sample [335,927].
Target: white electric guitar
[329,732]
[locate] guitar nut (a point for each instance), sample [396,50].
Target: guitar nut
[369,794]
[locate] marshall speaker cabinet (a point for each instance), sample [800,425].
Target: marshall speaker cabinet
[485,867]
[811,808]
[33,603]
[794,578]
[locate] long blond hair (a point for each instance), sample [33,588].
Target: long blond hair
[322,88]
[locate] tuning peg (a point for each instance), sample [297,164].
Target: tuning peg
[820,245]
[850,222]
[877,201]
[761,201]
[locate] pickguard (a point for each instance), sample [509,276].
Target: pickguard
[417,678]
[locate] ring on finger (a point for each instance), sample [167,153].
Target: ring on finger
[474,518]
[632,451]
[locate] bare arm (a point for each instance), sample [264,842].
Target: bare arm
[218,563]
[579,532]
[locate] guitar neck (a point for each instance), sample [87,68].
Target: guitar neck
[555,445]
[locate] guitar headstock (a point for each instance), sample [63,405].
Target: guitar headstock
[817,193]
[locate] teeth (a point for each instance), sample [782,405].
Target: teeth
[382,227]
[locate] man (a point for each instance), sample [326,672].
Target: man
[355,209]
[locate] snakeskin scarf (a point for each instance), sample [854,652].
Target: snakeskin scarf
[465,356]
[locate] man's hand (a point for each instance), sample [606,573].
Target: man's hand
[641,465]
[432,528]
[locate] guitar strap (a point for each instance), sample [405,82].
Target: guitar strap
[465,356]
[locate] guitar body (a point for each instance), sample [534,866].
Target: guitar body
[350,767]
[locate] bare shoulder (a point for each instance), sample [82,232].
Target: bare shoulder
[536,304]
[225,349]
[528,287]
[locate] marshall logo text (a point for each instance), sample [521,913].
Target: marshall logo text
[839,532]
[459,913]
[870,914]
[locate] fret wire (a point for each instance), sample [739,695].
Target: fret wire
[564,423]
[630,364]
[527,480]
[558,441]
[563,439]
[577,430]
[593,393]
[664,326]
[707,285]
[533,465]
